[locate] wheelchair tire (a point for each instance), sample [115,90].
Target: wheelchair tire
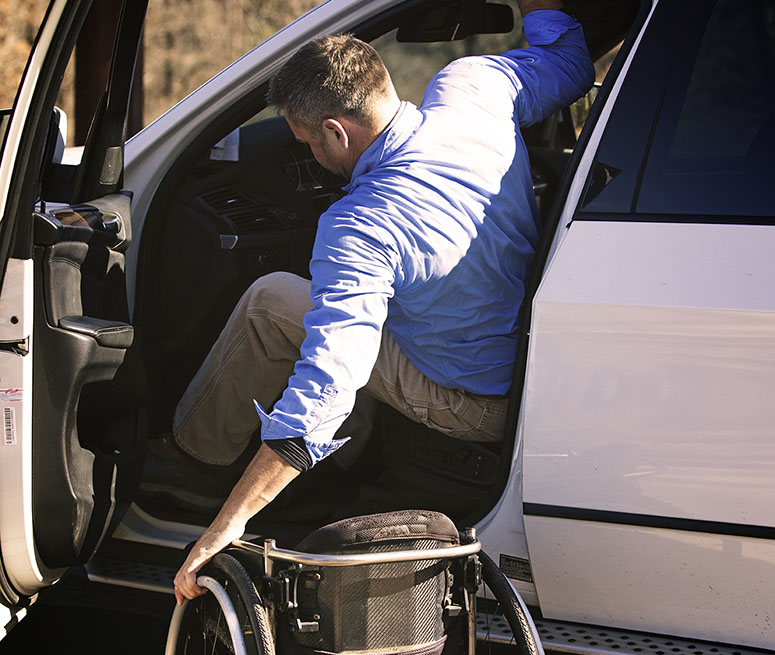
[515,613]
[232,621]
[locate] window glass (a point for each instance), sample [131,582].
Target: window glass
[581,108]
[187,42]
[712,147]
[412,65]
[18,26]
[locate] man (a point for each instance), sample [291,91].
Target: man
[417,273]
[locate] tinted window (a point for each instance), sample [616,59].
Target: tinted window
[712,151]
[618,163]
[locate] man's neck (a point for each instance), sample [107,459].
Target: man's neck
[362,136]
[366,135]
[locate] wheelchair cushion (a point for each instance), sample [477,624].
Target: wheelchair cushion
[394,608]
[363,533]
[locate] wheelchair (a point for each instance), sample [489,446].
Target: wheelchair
[395,583]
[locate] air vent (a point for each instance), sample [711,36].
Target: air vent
[245,214]
[206,170]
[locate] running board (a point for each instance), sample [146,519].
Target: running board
[147,577]
[556,636]
[580,639]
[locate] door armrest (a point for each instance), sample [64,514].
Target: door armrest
[109,334]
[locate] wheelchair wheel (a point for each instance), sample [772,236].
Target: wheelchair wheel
[514,611]
[229,619]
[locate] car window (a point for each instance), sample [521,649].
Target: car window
[18,27]
[712,147]
[412,65]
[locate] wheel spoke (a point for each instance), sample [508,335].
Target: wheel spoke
[217,629]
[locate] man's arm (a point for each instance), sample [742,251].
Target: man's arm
[265,477]
[352,278]
[555,70]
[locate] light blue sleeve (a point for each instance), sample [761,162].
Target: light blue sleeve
[352,279]
[554,71]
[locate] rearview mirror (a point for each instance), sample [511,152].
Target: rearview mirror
[457,20]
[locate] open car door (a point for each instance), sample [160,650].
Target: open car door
[72,440]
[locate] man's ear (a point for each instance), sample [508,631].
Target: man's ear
[336,131]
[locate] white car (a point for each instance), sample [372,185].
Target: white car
[632,501]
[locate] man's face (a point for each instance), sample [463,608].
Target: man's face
[325,148]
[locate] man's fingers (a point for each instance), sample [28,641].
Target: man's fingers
[209,544]
[186,586]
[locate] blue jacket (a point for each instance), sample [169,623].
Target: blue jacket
[435,236]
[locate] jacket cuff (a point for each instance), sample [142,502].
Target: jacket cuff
[273,429]
[293,451]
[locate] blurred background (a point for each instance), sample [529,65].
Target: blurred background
[184,44]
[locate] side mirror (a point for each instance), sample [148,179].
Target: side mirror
[55,141]
[57,175]
[57,136]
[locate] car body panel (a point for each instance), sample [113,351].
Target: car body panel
[713,587]
[16,532]
[648,388]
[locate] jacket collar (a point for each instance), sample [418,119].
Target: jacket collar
[403,125]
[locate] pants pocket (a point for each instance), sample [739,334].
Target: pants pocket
[451,417]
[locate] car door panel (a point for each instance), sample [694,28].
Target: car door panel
[21,573]
[648,449]
[81,340]
[71,388]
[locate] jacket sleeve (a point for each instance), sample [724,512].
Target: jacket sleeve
[352,276]
[554,71]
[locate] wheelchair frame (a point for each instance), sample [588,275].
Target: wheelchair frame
[262,560]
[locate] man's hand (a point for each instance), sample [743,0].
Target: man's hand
[215,539]
[526,6]
[265,477]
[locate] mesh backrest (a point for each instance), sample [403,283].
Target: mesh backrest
[390,608]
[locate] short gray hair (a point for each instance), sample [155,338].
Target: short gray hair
[330,76]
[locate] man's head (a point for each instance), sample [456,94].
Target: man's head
[336,95]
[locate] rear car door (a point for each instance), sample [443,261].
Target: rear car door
[71,411]
[648,415]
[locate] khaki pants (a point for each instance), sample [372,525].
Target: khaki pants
[254,357]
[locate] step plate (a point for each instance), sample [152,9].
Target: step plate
[563,637]
[131,574]
[556,636]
